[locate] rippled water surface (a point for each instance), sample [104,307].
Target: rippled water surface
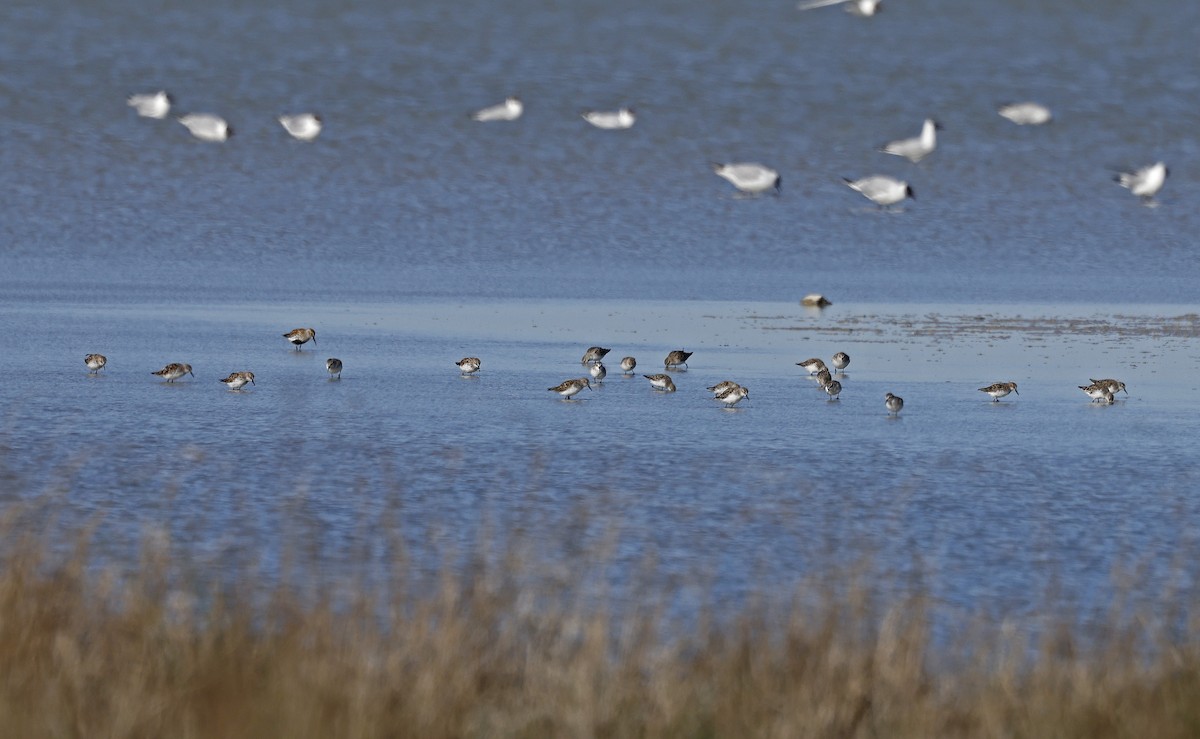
[411,236]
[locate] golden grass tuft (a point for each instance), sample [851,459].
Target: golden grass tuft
[499,650]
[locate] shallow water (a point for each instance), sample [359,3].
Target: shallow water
[410,236]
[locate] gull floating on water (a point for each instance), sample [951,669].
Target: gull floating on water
[1026,114]
[749,176]
[1145,182]
[152,105]
[881,189]
[509,110]
[861,8]
[206,126]
[302,126]
[918,147]
[610,119]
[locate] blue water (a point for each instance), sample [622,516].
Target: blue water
[411,236]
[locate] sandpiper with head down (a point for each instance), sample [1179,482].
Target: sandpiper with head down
[174,371]
[594,354]
[300,336]
[999,389]
[333,366]
[469,365]
[893,403]
[598,372]
[1099,393]
[833,389]
[676,358]
[95,362]
[721,387]
[238,380]
[661,382]
[570,387]
[813,365]
[1114,386]
[733,396]
[627,365]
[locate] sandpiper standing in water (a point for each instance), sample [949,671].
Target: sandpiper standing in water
[894,403]
[833,389]
[570,387]
[676,358]
[841,361]
[594,354]
[1114,386]
[1098,393]
[333,366]
[813,365]
[238,380]
[598,372]
[661,382]
[95,362]
[174,371]
[733,396]
[300,336]
[627,365]
[999,389]
[469,365]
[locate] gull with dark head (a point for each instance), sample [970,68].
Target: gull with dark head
[509,110]
[1144,182]
[882,190]
[206,126]
[151,105]
[749,177]
[918,147]
[302,126]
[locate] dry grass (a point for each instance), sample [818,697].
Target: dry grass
[497,650]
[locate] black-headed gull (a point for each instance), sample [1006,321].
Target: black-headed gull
[881,189]
[303,126]
[151,105]
[610,119]
[206,126]
[918,147]
[1145,182]
[749,176]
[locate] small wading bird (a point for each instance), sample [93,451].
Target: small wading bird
[1098,393]
[893,403]
[469,365]
[676,358]
[841,361]
[333,366]
[733,396]
[661,382]
[95,362]
[598,372]
[1114,386]
[238,380]
[999,389]
[300,336]
[174,371]
[594,354]
[627,365]
[813,365]
[571,387]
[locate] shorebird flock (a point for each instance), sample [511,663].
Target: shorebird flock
[728,392]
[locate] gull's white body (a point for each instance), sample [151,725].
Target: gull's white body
[207,127]
[749,176]
[610,119]
[152,105]
[918,147]
[881,189]
[509,110]
[1145,182]
[302,126]
[1026,114]
[861,8]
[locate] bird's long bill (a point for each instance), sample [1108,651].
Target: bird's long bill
[193,374]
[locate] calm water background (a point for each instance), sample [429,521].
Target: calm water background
[410,236]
